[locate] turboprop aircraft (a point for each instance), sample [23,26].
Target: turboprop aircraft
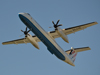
[48,38]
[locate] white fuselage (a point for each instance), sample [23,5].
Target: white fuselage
[52,46]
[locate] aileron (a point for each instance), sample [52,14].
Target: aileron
[78,28]
[18,41]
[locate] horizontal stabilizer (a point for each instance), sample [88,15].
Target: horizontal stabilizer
[78,49]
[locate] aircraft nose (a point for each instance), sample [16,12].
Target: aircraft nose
[20,14]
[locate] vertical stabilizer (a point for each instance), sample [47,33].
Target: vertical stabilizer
[73,54]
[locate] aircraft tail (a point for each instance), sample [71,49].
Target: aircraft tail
[73,52]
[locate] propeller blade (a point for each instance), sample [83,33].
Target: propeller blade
[25,32]
[56,25]
[53,22]
[28,31]
[26,28]
[57,22]
[22,30]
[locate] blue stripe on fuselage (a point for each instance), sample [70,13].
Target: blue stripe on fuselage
[39,34]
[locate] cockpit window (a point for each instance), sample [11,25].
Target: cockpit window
[28,13]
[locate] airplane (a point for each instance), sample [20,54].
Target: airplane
[48,38]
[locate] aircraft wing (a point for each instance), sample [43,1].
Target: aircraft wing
[54,34]
[20,41]
[71,30]
[78,49]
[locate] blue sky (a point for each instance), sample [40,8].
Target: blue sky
[26,60]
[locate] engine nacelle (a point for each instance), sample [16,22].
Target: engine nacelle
[62,35]
[32,41]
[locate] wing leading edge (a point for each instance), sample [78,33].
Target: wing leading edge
[20,41]
[71,30]
[54,34]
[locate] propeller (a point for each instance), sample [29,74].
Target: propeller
[26,32]
[56,25]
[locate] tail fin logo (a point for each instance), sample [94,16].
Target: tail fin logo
[73,52]
[73,55]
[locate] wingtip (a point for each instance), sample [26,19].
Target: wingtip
[89,48]
[96,22]
[2,43]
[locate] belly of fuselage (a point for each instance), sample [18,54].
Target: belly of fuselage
[42,36]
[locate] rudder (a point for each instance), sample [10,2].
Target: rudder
[73,54]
